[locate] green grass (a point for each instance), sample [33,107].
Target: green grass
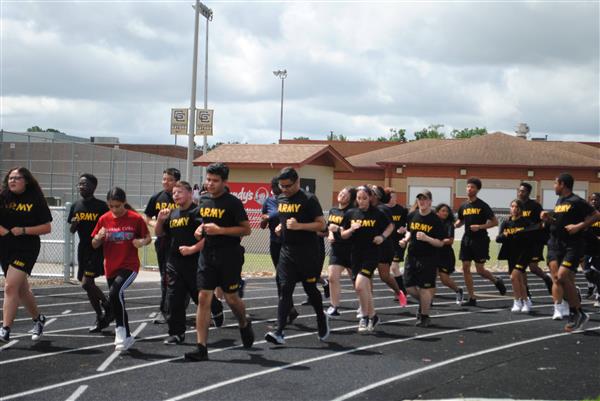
[261,262]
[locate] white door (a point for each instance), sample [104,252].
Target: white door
[549,198]
[498,198]
[439,194]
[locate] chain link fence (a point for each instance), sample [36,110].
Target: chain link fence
[58,259]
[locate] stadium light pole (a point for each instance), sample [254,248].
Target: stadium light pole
[207,13]
[281,74]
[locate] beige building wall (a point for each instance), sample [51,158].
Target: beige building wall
[252,175]
[323,175]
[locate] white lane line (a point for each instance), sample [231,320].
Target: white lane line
[10,344]
[115,354]
[451,361]
[340,353]
[80,390]
[66,312]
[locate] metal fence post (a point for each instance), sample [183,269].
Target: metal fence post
[66,245]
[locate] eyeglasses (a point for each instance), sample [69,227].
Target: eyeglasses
[15,178]
[284,186]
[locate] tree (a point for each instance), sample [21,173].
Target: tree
[433,131]
[301,138]
[338,137]
[397,135]
[468,132]
[36,128]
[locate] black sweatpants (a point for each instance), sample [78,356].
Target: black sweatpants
[116,296]
[161,248]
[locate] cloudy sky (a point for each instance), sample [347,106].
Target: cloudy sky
[116,68]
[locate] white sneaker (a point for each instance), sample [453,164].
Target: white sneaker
[120,334]
[359,313]
[564,308]
[527,304]
[517,305]
[125,344]
[597,303]
[557,313]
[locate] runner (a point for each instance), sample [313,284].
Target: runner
[424,236]
[516,249]
[447,257]
[300,218]
[339,258]
[182,258]
[386,250]
[591,263]
[159,201]
[224,222]
[270,219]
[367,227]
[399,216]
[24,216]
[531,211]
[571,216]
[477,217]
[121,231]
[83,217]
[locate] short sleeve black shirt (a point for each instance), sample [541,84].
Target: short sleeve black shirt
[305,208]
[373,223]
[87,212]
[336,216]
[180,227]
[159,201]
[399,215]
[532,211]
[25,210]
[569,210]
[224,211]
[431,225]
[476,212]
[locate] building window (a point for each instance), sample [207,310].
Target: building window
[530,173]
[463,171]
[399,170]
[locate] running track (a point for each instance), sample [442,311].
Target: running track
[470,352]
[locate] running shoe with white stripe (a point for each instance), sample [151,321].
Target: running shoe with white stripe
[460,296]
[38,328]
[332,311]
[4,334]
[275,338]
[517,306]
[363,324]
[577,321]
[372,323]
[126,344]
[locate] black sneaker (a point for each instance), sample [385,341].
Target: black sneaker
[323,326]
[5,334]
[459,296]
[159,319]
[38,328]
[247,335]
[241,288]
[201,354]
[326,289]
[548,281]
[500,286]
[292,315]
[576,321]
[470,302]
[590,292]
[372,323]
[101,323]
[424,321]
[174,339]
[217,314]
[275,338]
[332,311]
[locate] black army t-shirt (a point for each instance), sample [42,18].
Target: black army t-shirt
[569,210]
[180,227]
[373,222]
[86,212]
[224,211]
[399,215]
[159,201]
[429,224]
[305,208]
[477,212]
[25,210]
[336,216]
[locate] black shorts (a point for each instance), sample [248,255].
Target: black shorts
[567,255]
[516,265]
[386,252]
[275,250]
[398,253]
[420,272]
[298,263]
[364,263]
[90,261]
[474,249]
[220,267]
[537,251]
[340,256]
[447,260]
[23,260]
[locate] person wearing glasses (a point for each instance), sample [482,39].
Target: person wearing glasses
[24,216]
[300,219]
[159,201]
[83,217]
